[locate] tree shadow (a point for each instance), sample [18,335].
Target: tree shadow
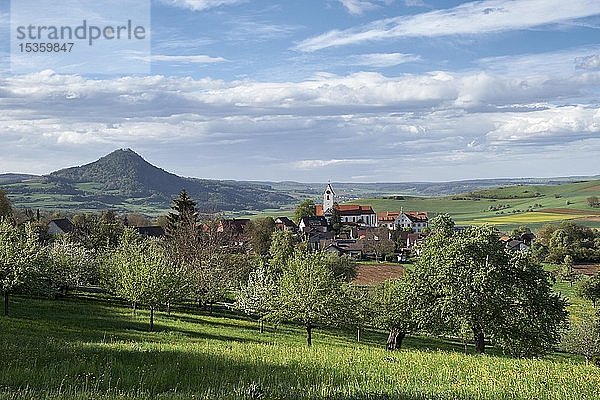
[102,369]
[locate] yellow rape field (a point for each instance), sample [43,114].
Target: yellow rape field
[530,217]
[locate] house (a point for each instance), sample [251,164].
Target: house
[316,239]
[60,226]
[528,238]
[387,219]
[349,247]
[233,226]
[235,231]
[516,245]
[350,214]
[409,220]
[313,224]
[151,231]
[414,220]
[285,224]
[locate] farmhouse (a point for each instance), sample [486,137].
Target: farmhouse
[236,229]
[415,220]
[403,220]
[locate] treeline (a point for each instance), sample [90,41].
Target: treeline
[554,242]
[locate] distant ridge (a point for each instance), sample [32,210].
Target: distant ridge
[124,180]
[127,172]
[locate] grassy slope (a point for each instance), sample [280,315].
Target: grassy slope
[93,349]
[471,211]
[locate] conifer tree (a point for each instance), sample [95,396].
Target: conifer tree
[5,207]
[183,229]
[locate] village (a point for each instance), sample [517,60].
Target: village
[352,230]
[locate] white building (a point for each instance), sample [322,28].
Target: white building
[415,220]
[350,214]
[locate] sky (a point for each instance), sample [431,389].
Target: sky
[341,90]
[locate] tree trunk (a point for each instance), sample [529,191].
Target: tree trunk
[309,335]
[479,339]
[6,303]
[395,339]
[133,309]
[262,325]
[151,318]
[358,334]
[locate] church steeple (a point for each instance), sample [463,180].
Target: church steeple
[328,198]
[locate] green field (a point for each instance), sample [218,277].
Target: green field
[519,205]
[516,205]
[90,348]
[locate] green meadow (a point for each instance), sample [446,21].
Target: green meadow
[506,207]
[92,348]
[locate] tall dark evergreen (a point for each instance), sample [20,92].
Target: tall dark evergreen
[5,207]
[184,214]
[183,229]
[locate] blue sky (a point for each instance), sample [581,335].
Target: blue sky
[347,90]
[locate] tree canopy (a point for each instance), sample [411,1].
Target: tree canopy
[305,209]
[260,231]
[468,279]
[140,271]
[309,293]
[554,242]
[70,264]
[21,258]
[590,289]
[392,309]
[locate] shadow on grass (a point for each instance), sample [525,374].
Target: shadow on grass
[98,369]
[64,320]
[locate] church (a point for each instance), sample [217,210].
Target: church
[350,214]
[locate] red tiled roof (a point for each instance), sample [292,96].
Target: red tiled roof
[387,216]
[353,207]
[347,209]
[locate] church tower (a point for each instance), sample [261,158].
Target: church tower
[328,198]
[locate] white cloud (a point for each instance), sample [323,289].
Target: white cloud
[312,164]
[358,7]
[200,5]
[557,125]
[414,3]
[469,18]
[357,124]
[194,59]
[383,59]
[554,64]
[588,62]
